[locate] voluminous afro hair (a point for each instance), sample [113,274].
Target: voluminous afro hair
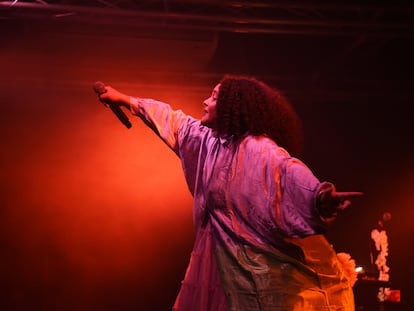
[246,105]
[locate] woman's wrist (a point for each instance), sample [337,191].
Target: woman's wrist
[326,203]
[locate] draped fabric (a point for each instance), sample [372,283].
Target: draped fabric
[259,241]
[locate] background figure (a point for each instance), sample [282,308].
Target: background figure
[379,257]
[379,248]
[374,289]
[259,214]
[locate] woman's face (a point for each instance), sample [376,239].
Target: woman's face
[209,117]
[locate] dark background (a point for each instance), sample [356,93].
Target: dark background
[97,217]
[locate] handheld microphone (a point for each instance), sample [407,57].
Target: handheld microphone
[99,88]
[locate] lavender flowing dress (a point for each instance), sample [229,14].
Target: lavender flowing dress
[259,241]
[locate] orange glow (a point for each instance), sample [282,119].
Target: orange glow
[94,211]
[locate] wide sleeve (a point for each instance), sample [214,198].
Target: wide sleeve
[161,118]
[299,207]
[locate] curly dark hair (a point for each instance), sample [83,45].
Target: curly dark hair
[247,105]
